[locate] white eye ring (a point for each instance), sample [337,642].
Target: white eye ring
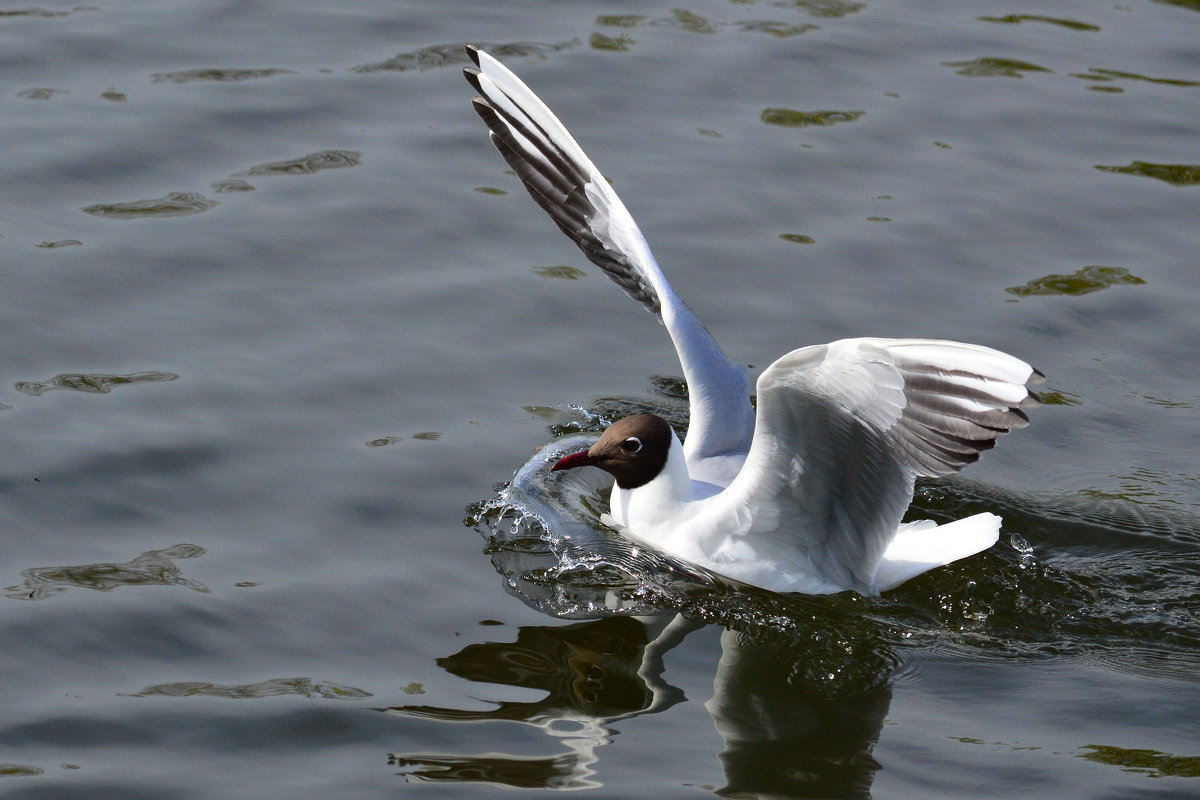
[632,445]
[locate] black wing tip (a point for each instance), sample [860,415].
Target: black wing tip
[484,109]
[472,76]
[472,53]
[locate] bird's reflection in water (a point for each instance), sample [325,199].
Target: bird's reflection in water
[787,739]
[800,688]
[783,735]
[591,674]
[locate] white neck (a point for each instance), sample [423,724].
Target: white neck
[660,500]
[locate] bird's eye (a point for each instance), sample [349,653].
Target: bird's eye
[632,445]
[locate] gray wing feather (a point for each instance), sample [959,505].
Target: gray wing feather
[555,172]
[844,429]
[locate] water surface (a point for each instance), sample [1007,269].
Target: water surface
[276,320]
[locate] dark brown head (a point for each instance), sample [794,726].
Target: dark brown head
[633,450]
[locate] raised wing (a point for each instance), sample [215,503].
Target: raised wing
[843,431]
[565,183]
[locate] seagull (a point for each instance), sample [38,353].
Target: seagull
[807,494]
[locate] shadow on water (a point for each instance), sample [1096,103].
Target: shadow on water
[804,683]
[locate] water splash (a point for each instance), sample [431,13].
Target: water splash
[1103,579]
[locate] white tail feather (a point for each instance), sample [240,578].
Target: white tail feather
[922,546]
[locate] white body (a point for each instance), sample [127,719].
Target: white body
[667,514]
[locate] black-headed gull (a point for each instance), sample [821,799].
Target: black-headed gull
[809,497]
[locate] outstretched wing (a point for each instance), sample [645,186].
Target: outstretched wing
[845,428]
[565,183]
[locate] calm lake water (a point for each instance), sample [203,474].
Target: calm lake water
[276,324]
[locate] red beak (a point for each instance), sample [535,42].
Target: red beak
[580,459]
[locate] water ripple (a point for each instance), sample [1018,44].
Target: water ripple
[614,44]
[175,204]
[37,13]
[687,21]
[1017,19]
[561,772]
[40,93]
[19,771]
[232,185]
[307,165]
[1097,74]
[448,55]
[831,9]
[1083,281]
[790,118]
[778,29]
[1174,174]
[151,568]
[217,74]
[304,687]
[90,383]
[1143,761]
[993,68]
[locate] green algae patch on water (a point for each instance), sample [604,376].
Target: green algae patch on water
[791,118]
[175,204]
[1082,281]
[1144,761]
[1174,174]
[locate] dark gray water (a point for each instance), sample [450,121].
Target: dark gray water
[275,321]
